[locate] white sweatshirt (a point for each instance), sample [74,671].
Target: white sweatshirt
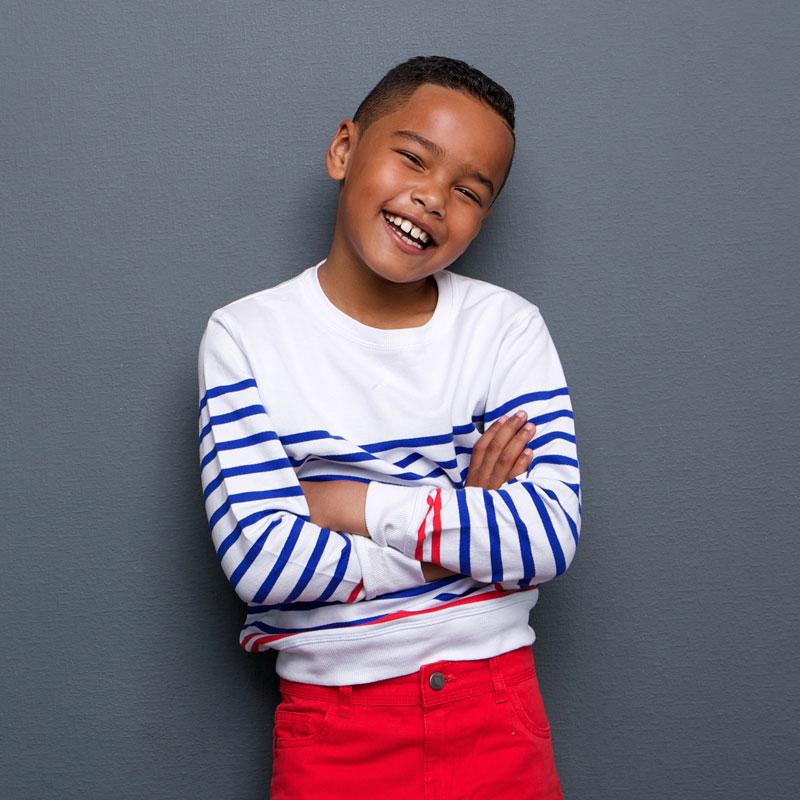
[292,388]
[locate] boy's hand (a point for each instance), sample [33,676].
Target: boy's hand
[500,454]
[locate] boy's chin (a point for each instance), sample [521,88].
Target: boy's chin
[398,273]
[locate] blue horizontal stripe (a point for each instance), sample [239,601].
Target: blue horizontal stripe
[265,627]
[414,591]
[440,469]
[365,453]
[409,459]
[216,391]
[284,491]
[541,441]
[345,458]
[447,596]
[338,476]
[541,418]
[231,416]
[269,629]
[549,417]
[235,444]
[530,397]
[309,436]
[419,441]
[245,469]
[554,459]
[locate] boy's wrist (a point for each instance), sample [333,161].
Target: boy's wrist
[392,514]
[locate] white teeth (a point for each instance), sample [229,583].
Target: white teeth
[408,227]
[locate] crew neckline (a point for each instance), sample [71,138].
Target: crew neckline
[385,338]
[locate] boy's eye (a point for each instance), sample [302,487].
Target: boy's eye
[411,157]
[471,195]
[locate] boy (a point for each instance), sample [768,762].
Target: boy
[371,492]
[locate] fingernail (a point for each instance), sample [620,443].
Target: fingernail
[521,414]
[528,426]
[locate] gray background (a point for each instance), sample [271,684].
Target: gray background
[162,159]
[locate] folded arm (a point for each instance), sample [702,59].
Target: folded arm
[526,531]
[259,519]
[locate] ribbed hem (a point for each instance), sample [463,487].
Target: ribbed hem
[393,514]
[363,654]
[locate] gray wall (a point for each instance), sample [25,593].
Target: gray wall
[162,159]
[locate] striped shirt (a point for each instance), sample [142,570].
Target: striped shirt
[291,388]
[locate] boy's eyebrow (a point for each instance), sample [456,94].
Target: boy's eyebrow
[439,153]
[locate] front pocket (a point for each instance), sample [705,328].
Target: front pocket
[300,721]
[526,700]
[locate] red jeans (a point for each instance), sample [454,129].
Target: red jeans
[453,730]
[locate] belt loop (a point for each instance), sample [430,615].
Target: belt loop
[345,699]
[498,680]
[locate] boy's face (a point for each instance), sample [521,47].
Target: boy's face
[436,161]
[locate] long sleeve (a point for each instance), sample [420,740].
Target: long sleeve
[257,513]
[526,531]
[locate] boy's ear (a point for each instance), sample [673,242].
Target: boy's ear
[340,149]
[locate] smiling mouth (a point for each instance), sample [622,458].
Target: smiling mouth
[406,236]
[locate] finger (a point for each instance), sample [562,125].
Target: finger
[488,435]
[521,464]
[516,447]
[505,448]
[506,465]
[479,467]
[496,450]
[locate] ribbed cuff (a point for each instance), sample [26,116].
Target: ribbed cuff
[393,514]
[385,569]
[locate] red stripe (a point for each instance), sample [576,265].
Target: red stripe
[263,640]
[421,531]
[436,534]
[354,594]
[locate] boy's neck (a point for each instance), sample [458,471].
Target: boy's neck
[376,302]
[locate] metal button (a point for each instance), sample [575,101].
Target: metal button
[436,680]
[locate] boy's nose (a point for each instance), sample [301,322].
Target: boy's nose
[431,198]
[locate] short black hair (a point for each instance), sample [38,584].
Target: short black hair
[400,82]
